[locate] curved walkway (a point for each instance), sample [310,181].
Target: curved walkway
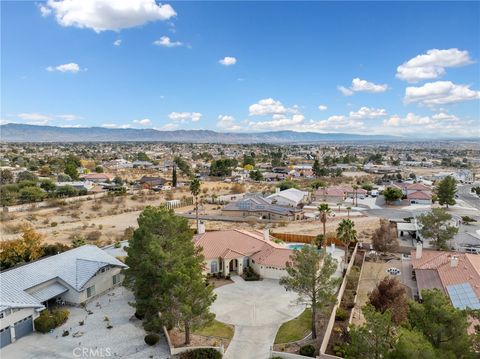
[256,309]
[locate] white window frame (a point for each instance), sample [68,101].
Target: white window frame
[91,289]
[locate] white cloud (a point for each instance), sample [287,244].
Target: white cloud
[103,15]
[367,112]
[440,93]
[185,116]
[168,127]
[70,67]
[322,107]
[228,61]
[432,64]
[115,125]
[143,122]
[440,124]
[359,85]
[278,122]
[34,116]
[117,42]
[267,106]
[228,123]
[165,41]
[69,117]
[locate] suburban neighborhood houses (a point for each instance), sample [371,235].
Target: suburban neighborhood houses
[240,179]
[75,247]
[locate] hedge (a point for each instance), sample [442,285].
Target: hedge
[202,353]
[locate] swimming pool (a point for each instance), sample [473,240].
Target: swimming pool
[295,246]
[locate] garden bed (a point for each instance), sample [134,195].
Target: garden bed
[339,334]
[212,336]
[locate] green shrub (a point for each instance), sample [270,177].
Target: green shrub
[117,245]
[49,320]
[250,275]
[202,353]
[152,339]
[307,350]
[339,349]
[341,314]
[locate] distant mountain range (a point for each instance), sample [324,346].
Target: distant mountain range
[13,132]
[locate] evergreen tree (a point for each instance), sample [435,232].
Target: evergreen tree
[316,168]
[174,177]
[443,325]
[165,273]
[412,345]
[392,194]
[434,226]
[375,338]
[310,276]
[446,190]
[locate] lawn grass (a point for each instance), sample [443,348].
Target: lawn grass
[216,329]
[295,329]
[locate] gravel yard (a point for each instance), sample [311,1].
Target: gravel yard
[124,339]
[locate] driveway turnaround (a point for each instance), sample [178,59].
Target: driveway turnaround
[256,309]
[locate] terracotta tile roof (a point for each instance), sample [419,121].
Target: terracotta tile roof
[467,269]
[100,176]
[270,256]
[231,244]
[417,187]
[420,195]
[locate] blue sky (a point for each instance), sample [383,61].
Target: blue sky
[359,67]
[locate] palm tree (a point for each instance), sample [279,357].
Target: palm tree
[347,234]
[324,210]
[339,206]
[348,211]
[355,198]
[195,191]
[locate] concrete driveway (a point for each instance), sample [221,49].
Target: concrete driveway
[256,309]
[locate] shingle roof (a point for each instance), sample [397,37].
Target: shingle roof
[74,268]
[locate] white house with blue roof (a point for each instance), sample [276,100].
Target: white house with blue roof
[72,277]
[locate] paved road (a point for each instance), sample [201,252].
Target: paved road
[464,193]
[257,309]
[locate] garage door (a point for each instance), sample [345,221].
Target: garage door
[5,337]
[23,327]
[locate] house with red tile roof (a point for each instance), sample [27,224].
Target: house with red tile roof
[415,193]
[337,194]
[98,177]
[232,251]
[456,274]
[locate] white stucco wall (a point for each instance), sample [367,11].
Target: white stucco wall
[268,271]
[14,317]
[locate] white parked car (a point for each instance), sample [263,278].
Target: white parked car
[166,188]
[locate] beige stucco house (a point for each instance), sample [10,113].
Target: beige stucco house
[231,251]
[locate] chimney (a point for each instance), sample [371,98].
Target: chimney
[454,261]
[277,190]
[266,234]
[418,254]
[332,248]
[201,228]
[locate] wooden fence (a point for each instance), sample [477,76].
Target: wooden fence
[303,238]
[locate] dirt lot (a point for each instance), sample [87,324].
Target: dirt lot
[109,216]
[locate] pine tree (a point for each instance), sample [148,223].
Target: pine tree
[310,276]
[434,226]
[446,190]
[165,273]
